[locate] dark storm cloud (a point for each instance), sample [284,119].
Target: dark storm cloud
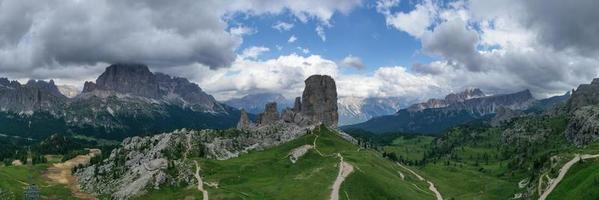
[451,40]
[565,24]
[163,33]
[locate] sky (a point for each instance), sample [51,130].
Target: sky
[412,49]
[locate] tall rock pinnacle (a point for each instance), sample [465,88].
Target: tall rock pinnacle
[319,100]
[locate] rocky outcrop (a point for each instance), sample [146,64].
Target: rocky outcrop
[318,104]
[164,160]
[584,95]
[244,121]
[45,86]
[254,103]
[270,114]
[583,127]
[504,115]
[319,100]
[297,105]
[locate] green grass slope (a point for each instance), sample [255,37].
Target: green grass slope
[16,178]
[269,174]
[581,182]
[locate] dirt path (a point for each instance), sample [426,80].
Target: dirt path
[61,173]
[563,171]
[344,170]
[200,182]
[431,186]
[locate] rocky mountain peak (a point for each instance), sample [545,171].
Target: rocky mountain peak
[135,79]
[452,98]
[46,86]
[464,95]
[34,96]
[319,100]
[138,80]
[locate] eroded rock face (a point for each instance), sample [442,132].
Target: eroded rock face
[583,127]
[244,121]
[297,105]
[504,115]
[139,81]
[34,96]
[270,114]
[585,94]
[319,100]
[133,79]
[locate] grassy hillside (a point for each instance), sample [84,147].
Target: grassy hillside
[269,174]
[483,162]
[581,182]
[16,178]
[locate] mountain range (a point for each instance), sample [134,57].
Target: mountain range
[437,115]
[125,100]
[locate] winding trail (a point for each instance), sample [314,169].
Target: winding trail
[200,182]
[61,173]
[344,170]
[431,186]
[563,171]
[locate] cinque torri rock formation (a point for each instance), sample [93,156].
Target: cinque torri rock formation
[162,160]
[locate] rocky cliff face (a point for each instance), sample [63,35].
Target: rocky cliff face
[450,99]
[583,110]
[134,79]
[137,80]
[319,100]
[31,97]
[583,127]
[584,95]
[270,114]
[489,104]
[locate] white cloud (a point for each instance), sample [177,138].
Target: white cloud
[415,22]
[70,34]
[286,75]
[283,26]
[304,50]
[292,39]
[242,30]
[320,32]
[503,46]
[253,52]
[353,61]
